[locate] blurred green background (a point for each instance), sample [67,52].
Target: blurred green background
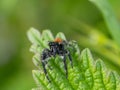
[80,20]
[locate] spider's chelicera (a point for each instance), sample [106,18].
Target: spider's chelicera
[56,47]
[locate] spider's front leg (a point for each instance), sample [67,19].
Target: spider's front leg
[65,65]
[45,55]
[70,58]
[45,71]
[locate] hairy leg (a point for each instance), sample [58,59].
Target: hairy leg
[70,58]
[65,66]
[45,71]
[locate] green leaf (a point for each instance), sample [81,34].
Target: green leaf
[86,74]
[34,36]
[110,19]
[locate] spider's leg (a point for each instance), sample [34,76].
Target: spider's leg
[70,58]
[45,55]
[65,65]
[47,65]
[45,71]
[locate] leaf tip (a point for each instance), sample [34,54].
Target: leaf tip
[85,51]
[61,35]
[33,35]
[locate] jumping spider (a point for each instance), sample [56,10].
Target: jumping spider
[56,47]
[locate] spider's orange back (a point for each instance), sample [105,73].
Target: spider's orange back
[59,40]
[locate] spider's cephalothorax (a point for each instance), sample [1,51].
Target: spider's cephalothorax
[56,47]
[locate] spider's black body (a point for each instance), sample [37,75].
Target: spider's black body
[56,48]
